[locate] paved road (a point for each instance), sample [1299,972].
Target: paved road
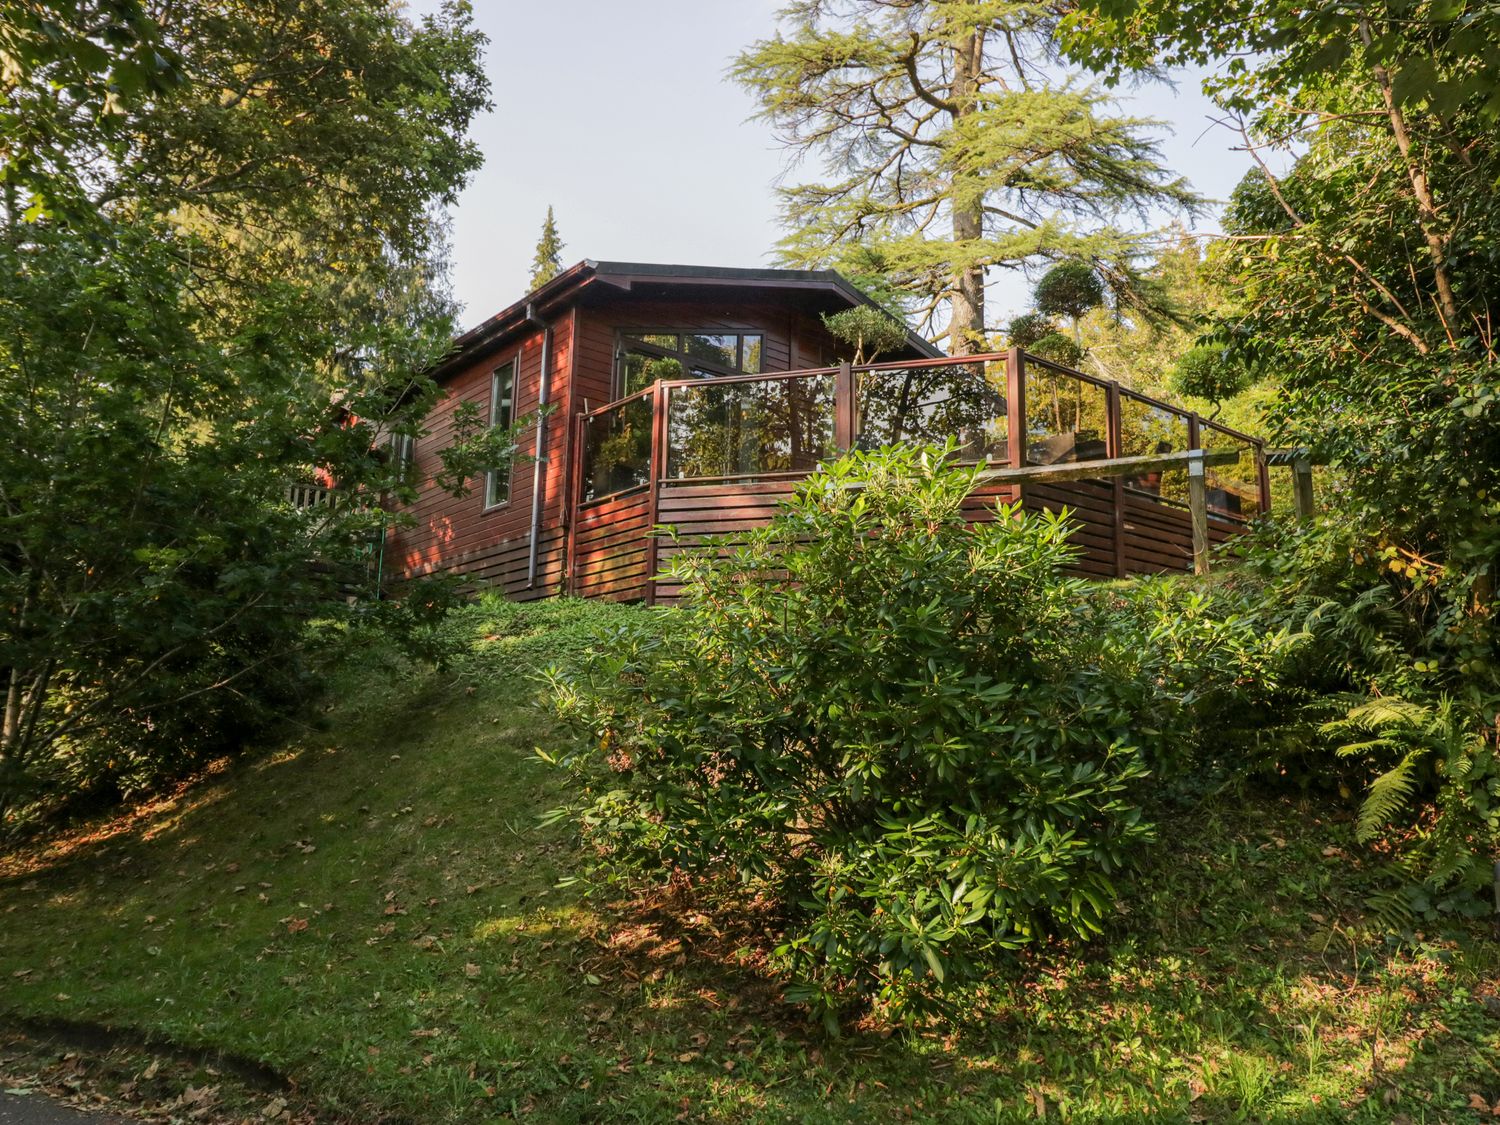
[37,1109]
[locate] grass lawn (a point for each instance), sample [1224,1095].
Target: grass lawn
[370,910]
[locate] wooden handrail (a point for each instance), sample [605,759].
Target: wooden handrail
[1108,467]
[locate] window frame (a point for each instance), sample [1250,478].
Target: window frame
[496,477]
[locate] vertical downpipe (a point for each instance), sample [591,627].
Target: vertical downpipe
[538,472]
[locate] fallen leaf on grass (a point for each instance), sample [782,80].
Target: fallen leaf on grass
[296,925]
[471,970]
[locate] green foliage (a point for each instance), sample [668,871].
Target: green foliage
[882,722]
[1364,278]
[869,331]
[1026,330]
[950,144]
[1368,703]
[1207,371]
[1437,748]
[1059,349]
[1068,289]
[217,290]
[547,261]
[1245,948]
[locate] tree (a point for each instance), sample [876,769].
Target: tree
[1208,372]
[950,148]
[547,261]
[220,283]
[1068,289]
[1364,276]
[869,331]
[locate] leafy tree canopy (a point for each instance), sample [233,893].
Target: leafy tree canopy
[949,146]
[224,278]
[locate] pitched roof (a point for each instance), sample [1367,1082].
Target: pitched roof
[624,275]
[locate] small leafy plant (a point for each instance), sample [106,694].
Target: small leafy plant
[878,721]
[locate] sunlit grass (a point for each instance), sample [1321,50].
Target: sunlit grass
[372,910]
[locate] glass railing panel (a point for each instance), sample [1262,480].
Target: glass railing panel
[1233,489]
[1148,428]
[750,427]
[617,448]
[929,405]
[1067,417]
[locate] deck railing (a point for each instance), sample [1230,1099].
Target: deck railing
[695,446]
[1003,408]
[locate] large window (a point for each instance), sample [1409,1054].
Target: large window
[502,413]
[648,357]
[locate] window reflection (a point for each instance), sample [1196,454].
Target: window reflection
[647,356]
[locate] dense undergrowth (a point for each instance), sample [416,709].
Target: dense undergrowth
[915,747]
[372,911]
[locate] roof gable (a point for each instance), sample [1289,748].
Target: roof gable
[561,290]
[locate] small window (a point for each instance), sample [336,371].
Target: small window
[717,348]
[655,339]
[402,451]
[750,354]
[502,414]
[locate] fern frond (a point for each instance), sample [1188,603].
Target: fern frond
[1387,795]
[1349,749]
[1389,711]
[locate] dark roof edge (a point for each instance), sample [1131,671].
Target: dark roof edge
[494,329]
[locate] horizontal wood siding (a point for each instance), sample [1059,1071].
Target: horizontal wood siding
[1091,506]
[1158,536]
[492,548]
[609,548]
[732,509]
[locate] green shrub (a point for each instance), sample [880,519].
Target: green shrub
[1388,698]
[877,721]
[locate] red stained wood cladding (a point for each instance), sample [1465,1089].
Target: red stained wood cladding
[492,547]
[606,548]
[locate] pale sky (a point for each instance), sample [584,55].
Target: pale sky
[618,115]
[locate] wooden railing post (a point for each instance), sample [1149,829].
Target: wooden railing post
[1015,406]
[1302,486]
[654,472]
[1198,510]
[1113,439]
[845,422]
[1263,478]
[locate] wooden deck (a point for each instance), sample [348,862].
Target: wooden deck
[713,458]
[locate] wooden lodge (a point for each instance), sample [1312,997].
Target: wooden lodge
[697,396]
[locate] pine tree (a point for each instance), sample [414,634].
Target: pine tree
[546,263]
[951,147]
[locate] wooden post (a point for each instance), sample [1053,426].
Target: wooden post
[1263,478]
[1015,406]
[1302,486]
[845,409]
[1113,439]
[659,406]
[1198,509]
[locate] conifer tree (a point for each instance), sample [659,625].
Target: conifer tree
[546,263]
[952,143]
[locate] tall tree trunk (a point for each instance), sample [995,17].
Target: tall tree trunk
[1429,217]
[966,326]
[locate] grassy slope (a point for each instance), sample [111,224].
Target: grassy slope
[372,911]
